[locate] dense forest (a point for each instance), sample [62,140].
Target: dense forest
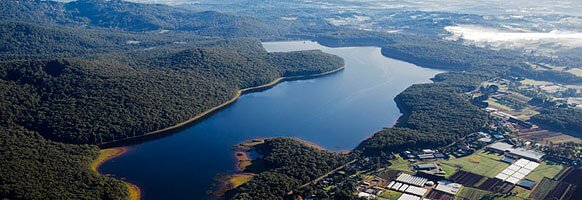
[91,71]
[560,119]
[434,114]
[35,168]
[101,100]
[71,76]
[135,17]
[285,164]
[434,52]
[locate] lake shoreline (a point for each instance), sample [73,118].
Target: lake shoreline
[243,160]
[119,149]
[106,155]
[207,113]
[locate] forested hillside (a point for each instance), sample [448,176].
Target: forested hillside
[434,114]
[104,99]
[434,52]
[35,168]
[96,71]
[135,17]
[560,119]
[288,163]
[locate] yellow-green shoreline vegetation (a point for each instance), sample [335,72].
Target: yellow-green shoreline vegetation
[134,191]
[284,164]
[106,155]
[111,153]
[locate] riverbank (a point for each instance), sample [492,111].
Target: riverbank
[203,115]
[108,154]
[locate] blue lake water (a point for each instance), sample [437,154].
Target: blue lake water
[337,112]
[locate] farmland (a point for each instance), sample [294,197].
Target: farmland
[543,188]
[398,163]
[481,163]
[494,184]
[472,193]
[466,178]
[547,137]
[390,195]
[545,169]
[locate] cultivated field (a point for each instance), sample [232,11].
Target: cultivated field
[472,193]
[545,169]
[466,178]
[481,163]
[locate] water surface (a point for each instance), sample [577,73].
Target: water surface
[336,111]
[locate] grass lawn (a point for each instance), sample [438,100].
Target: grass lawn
[448,169]
[390,194]
[481,163]
[398,163]
[471,193]
[545,169]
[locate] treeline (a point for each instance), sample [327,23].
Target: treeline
[435,52]
[560,119]
[286,164]
[94,71]
[136,17]
[92,101]
[434,114]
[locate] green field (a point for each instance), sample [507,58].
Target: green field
[398,163]
[448,169]
[471,193]
[481,163]
[545,169]
[390,195]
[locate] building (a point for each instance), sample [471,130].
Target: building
[525,153]
[439,155]
[448,187]
[508,160]
[427,151]
[412,180]
[509,150]
[425,156]
[527,184]
[499,147]
[517,171]
[486,140]
[409,197]
[428,166]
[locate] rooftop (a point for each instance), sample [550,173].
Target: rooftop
[501,146]
[426,166]
[451,188]
[527,153]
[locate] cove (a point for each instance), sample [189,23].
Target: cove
[336,111]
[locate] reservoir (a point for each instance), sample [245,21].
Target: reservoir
[336,111]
